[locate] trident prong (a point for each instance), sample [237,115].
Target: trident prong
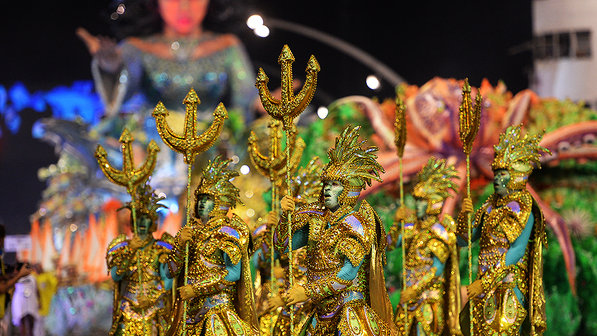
[190,143]
[273,166]
[469,117]
[290,106]
[128,176]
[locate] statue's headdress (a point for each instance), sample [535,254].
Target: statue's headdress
[352,165]
[306,185]
[215,181]
[146,202]
[519,154]
[434,182]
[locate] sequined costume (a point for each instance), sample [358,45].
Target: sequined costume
[306,188]
[141,301]
[218,267]
[431,264]
[345,249]
[511,233]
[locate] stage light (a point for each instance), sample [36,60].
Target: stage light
[73,227]
[249,194]
[235,159]
[373,82]
[262,31]
[250,212]
[322,112]
[120,10]
[254,21]
[244,169]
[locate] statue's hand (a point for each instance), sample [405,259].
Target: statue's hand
[272,218]
[136,243]
[274,302]
[186,292]
[475,288]
[467,205]
[287,203]
[407,295]
[185,234]
[296,295]
[103,48]
[401,214]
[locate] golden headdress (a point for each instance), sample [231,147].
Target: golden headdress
[434,182]
[518,154]
[215,181]
[146,202]
[351,165]
[306,185]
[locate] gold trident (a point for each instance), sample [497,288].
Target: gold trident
[290,106]
[400,141]
[190,145]
[285,110]
[129,177]
[469,119]
[273,167]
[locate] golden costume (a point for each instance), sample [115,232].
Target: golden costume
[502,223]
[431,249]
[220,306]
[141,301]
[352,238]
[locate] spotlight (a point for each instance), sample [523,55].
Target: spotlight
[322,112]
[244,169]
[373,82]
[254,21]
[262,31]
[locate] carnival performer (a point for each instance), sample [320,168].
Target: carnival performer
[432,293]
[218,289]
[163,65]
[141,302]
[306,188]
[345,247]
[511,231]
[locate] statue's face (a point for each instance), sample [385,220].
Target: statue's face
[501,177]
[421,207]
[205,204]
[183,16]
[144,224]
[331,193]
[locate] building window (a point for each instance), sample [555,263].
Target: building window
[583,43]
[563,45]
[548,46]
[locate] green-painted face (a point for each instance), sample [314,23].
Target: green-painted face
[421,207]
[331,193]
[205,204]
[501,177]
[144,224]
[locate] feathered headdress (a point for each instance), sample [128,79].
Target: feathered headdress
[434,182]
[146,202]
[519,154]
[306,185]
[215,181]
[352,165]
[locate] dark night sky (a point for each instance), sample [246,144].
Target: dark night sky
[419,41]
